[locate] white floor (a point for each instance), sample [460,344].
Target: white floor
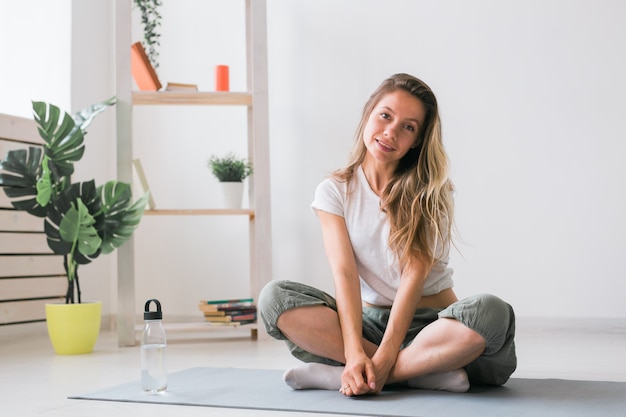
[34,381]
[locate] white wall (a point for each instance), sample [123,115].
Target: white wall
[35,50]
[532,98]
[531,95]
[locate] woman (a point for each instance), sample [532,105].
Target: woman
[386,224]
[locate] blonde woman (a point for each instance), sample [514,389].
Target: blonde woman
[386,223]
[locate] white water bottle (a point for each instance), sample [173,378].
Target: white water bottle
[153,347]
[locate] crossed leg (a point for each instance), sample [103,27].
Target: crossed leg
[434,360]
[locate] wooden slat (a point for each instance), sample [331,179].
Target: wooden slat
[4,200]
[19,221]
[24,311]
[25,288]
[28,243]
[10,145]
[18,128]
[31,265]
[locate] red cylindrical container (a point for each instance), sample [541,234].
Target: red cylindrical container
[221,78]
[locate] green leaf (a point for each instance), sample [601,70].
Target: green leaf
[64,141]
[84,117]
[44,184]
[59,208]
[22,169]
[77,228]
[121,220]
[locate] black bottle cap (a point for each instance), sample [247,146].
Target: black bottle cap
[152,315]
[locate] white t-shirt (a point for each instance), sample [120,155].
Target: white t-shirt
[368,230]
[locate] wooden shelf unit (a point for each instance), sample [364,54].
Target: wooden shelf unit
[255,99]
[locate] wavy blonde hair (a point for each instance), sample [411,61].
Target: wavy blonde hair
[418,200]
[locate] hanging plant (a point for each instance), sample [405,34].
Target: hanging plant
[150,20]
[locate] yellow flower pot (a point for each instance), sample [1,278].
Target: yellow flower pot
[73,328]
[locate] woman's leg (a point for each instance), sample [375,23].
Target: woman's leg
[435,358]
[316,329]
[475,334]
[285,301]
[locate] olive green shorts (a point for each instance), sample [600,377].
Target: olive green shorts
[486,314]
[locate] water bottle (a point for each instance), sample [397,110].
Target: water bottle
[153,346]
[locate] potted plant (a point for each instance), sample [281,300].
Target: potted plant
[230,170]
[151,21]
[81,220]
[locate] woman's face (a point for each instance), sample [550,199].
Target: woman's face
[393,126]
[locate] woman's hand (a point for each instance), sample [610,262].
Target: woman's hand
[382,368]
[359,376]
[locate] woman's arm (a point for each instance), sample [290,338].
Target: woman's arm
[359,370]
[405,303]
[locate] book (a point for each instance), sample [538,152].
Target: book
[181,87]
[225,307]
[226,302]
[220,319]
[143,72]
[231,323]
[214,313]
[248,318]
[144,182]
[244,317]
[228,312]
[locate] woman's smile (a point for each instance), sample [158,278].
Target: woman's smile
[384,146]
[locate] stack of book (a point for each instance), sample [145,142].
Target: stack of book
[228,312]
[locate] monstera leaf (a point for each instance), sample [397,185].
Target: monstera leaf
[120,218]
[64,140]
[60,231]
[22,168]
[84,117]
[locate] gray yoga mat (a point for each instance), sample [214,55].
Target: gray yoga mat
[263,389]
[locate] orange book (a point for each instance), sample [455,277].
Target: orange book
[143,72]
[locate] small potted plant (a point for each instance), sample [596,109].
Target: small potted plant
[230,170]
[81,220]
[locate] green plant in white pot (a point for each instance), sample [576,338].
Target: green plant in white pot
[230,170]
[81,220]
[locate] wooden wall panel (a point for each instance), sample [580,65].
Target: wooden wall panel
[14,289]
[19,221]
[18,128]
[30,276]
[4,200]
[24,311]
[30,265]
[27,243]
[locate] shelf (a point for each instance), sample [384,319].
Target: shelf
[201,326]
[200,212]
[193,98]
